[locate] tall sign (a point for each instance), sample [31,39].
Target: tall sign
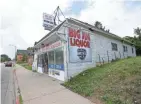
[48,21]
[79,46]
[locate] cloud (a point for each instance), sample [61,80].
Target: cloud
[21,20]
[31,24]
[10,14]
[114,15]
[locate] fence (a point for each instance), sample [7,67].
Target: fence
[102,58]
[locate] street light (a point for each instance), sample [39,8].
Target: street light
[15,50]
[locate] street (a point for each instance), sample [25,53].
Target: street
[7,85]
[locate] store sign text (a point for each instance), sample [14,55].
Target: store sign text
[52,46]
[79,39]
[79,43]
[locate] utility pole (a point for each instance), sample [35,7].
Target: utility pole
[15,50]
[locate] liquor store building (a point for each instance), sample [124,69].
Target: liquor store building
[74,46]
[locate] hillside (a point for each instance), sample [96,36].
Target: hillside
[115,83]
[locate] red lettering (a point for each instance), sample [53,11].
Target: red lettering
[72,42]
[74,33]
[85,36]
[70,32]
[79,43]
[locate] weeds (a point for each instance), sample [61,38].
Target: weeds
[118,82]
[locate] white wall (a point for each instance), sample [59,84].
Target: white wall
[73,69]
[103,45]
[100,46]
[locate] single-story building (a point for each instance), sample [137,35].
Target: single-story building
[74,46]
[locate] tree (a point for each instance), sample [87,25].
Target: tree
[5,57]
[136,40]
[30,48]
[24,59]
[100,26]
[137,31]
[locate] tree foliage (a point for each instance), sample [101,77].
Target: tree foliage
[24,59]
[100,26]
[30,48]
[136,40]
[5,57]
[137,31]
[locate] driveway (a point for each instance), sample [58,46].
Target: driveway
[41,89]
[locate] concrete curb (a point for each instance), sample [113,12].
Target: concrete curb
[17,89]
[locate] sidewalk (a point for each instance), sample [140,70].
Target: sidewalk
[41,89]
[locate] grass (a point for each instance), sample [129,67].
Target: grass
[21,100]
[25,65]
[115,83]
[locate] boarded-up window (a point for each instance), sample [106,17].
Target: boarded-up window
[114,46]
[132,50]
[125,49]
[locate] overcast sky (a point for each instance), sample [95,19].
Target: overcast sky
[21,20]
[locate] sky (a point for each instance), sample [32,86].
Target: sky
[21,20]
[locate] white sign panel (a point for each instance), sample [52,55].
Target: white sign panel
[79,46]
[51,46]
[48,21]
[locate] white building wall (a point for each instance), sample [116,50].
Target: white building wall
[34,65]
[73,69]
[101,50]
[104,48]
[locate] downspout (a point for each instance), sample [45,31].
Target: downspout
[66,45]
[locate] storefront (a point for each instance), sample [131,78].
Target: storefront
[50,60]
[75,46]
[64,52]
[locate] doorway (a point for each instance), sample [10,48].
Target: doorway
[45,62]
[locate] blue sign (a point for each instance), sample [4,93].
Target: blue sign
[59,66]
[51,66]
[56,66]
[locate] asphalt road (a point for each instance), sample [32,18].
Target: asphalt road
[7,85]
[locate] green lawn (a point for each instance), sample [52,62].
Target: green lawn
[20,98]
[26,66]
[115,83]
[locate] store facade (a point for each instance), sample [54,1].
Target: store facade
[73,47]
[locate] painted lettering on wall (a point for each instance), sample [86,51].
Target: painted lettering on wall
[79,39]
[51,46]
[79,46]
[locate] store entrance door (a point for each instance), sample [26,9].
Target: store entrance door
[45,62]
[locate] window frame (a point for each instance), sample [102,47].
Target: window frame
[132,50]
[54,65]
[125,49]
[114,46]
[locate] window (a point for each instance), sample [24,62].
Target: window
[56,59]
[40,60]
[51,57]
[59,57]
[132,50]
[125,48]
[114,46]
